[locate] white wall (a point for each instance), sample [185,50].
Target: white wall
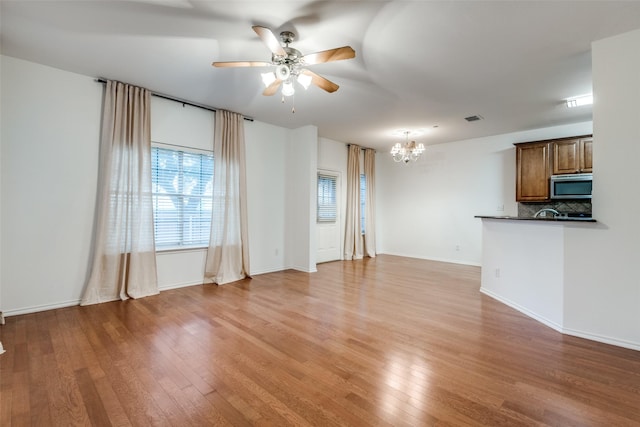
[523,266]
[181,125]
[426,209]
[302,167]
[266,189]
[602,290]
[50,140]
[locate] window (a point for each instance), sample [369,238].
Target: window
[363,200]
[327,209]
[182,185]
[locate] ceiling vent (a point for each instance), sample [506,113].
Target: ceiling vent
[473,118]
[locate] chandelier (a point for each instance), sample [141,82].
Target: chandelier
[407,152]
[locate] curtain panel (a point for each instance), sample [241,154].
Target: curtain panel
[370,203]
[228,252]
[353,236]
[124,259]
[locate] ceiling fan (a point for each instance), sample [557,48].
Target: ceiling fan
[290,63]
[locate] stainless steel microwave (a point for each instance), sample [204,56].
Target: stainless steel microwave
[571,187]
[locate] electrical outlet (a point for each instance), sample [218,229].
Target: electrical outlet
[457,248]
[497,273]
[500,208]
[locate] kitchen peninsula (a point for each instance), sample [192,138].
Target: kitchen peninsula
[548,218]
[523,256]
[523,262]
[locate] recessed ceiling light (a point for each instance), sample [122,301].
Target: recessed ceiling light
[579,101]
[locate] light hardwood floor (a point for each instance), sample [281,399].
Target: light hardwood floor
[384,341]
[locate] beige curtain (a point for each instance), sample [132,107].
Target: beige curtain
[124,262]
[228,253]
[370,203]
[353,234]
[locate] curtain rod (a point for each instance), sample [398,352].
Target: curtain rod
[363,148]
[181,101]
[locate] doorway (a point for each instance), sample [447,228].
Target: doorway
[328,224]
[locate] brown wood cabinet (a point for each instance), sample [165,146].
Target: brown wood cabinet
[536,161]
[573,155]
[586,154]
[532,171]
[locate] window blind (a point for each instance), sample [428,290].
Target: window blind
[182,188]
[327,206]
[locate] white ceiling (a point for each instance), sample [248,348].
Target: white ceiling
[419,64]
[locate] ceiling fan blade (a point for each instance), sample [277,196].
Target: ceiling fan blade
[272,88]
[241,64]
[270,40]
[337,54]
[321,82]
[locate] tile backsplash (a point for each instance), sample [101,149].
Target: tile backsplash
[527,210]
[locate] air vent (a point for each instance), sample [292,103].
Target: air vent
[473,118]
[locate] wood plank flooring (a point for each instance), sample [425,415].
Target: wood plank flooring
[379,342]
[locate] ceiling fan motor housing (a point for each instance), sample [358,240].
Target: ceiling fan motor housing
[287,65]
[287,37]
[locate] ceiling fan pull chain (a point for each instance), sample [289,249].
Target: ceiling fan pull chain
[293,103]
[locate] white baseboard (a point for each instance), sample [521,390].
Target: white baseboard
[179,285]
[267,270]
[38,308]
[566,331]
[602,339]
[71,303]
[305,269]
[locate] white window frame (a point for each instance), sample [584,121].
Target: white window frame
[336,179]
[181,246]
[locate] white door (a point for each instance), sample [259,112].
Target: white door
[328,217]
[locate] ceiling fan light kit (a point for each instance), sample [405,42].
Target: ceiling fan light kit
[282,72]
[288,89]
[289,64]
[304,80]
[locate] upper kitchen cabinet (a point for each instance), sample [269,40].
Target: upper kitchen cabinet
[573,155]
[532,171]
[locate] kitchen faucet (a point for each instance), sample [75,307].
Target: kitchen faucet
[553,211]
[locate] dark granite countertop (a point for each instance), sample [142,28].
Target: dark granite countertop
[551,219]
